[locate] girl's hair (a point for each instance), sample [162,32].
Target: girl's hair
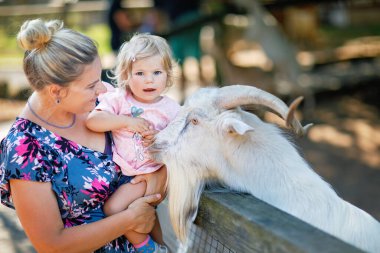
[138,47]
[54,54]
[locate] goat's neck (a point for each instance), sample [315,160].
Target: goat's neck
[275,172]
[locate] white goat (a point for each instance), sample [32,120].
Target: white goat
[212,138]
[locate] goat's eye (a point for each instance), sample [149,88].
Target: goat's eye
[194,121]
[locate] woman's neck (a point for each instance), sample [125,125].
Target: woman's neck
[44,111]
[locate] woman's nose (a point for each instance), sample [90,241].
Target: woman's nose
[101,88]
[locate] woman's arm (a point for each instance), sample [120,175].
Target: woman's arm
[102,121]
[37,209]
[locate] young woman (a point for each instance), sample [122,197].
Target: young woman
[56,172]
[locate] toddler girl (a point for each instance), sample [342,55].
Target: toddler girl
[144,70]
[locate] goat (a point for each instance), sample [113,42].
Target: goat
[212,138]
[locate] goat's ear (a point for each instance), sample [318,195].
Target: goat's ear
[235,126]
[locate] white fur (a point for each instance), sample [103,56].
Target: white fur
[206,142]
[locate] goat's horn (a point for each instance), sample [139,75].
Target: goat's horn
[238,95]
[290,117]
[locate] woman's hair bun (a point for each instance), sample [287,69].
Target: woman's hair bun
[35,34]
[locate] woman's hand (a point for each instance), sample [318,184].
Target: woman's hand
[144,213]
[155,181]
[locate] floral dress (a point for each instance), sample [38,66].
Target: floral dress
[82,179]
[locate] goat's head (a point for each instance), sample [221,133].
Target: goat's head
[197,144]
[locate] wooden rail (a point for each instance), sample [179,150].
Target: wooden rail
[246,224]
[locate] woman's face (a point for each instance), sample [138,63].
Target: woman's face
[148,79]
[82,93]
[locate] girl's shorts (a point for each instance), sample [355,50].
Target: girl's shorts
[123,179]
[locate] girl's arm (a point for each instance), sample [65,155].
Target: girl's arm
[37,209]
[102,121]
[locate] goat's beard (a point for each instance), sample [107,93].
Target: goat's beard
[185,189]
[155,151]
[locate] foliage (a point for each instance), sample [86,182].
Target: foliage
[11,55]
[338,36]
[101,34]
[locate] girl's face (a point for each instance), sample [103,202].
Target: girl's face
[82,93]
[148,79]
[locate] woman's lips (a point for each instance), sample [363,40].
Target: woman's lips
[149,90]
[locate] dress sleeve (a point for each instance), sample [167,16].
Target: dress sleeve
[23,157]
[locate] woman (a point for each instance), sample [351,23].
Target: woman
[54,171]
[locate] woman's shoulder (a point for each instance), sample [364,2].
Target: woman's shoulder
[22,129]
[27,141]
[25,155]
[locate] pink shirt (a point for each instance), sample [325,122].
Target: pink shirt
[129,153]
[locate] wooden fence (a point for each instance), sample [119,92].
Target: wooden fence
[239,223]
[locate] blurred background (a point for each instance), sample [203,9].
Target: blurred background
[326,51]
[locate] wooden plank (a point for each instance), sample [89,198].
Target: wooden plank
[247,224]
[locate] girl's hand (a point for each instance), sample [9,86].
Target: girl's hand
[148,137]
[144,213]
[138,125]
[156,183]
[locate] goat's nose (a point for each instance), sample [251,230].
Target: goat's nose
[153,149]
[158,146]
[156,150]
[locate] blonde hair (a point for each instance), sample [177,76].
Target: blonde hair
[54,54]
[138,47]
